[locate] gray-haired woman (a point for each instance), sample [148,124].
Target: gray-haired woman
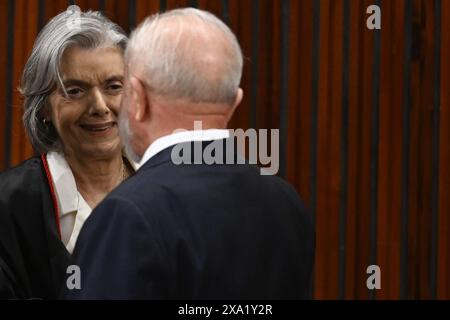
[72,87]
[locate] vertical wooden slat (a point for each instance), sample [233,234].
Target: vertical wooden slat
[405,193]
[86,5]
[425,127]
[173,4]
[131,14]
[5,38]
[17,63]
[31,27]
[214,7]
[334,134]
[53,7]
[241,11]
[435,148]
[234,22]
[293,125]
[117,11]
[328,137]
[163,5]
[316,47]
[354,108]
[344,149]
[312,176]
[41,14]
[302,91]
[226,11]
[254,63]
[83,4]
[193,3]
[443,284]
[9,85]
[284,90]
[360,144]
[19,56]
[146,8]
[267,59]
[322,290]
[390,156]
[374,148]
[101,5]
[414,157]
[27,31]
[262,94]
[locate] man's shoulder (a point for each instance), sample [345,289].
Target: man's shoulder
[170,180]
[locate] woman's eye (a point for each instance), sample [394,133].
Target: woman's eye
[74,92]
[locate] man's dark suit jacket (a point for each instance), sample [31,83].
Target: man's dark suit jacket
[197,232]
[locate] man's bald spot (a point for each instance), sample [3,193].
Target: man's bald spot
[188,54]
[204,46]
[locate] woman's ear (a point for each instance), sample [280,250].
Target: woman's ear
[139,99]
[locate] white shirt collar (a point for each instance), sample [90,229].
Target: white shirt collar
[180,137]
[64,183]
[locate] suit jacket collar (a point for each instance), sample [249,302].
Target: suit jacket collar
[165,155]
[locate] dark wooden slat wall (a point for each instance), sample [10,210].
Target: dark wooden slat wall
[365,116]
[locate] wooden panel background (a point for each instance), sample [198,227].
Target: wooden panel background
[364,118]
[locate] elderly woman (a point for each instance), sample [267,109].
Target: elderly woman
[72,87]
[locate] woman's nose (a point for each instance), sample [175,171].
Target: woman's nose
[98,104]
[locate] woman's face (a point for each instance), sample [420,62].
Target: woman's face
[86,119]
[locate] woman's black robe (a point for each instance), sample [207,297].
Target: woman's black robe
[33,260]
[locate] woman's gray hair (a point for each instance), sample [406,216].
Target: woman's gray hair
[187,54]
[41,74]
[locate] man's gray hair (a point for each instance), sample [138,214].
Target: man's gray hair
[41,74]
[187,54]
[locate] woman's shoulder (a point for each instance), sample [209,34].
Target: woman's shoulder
[22,176]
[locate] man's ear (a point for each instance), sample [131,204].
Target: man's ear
[139,98]
[237,101]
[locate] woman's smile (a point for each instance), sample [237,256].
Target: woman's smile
[99,129]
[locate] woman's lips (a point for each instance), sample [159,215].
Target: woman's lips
[98,127]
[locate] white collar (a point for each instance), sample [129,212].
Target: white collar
[180,137]
[69,199]
[64,183]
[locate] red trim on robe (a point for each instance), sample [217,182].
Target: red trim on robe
[52,192]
